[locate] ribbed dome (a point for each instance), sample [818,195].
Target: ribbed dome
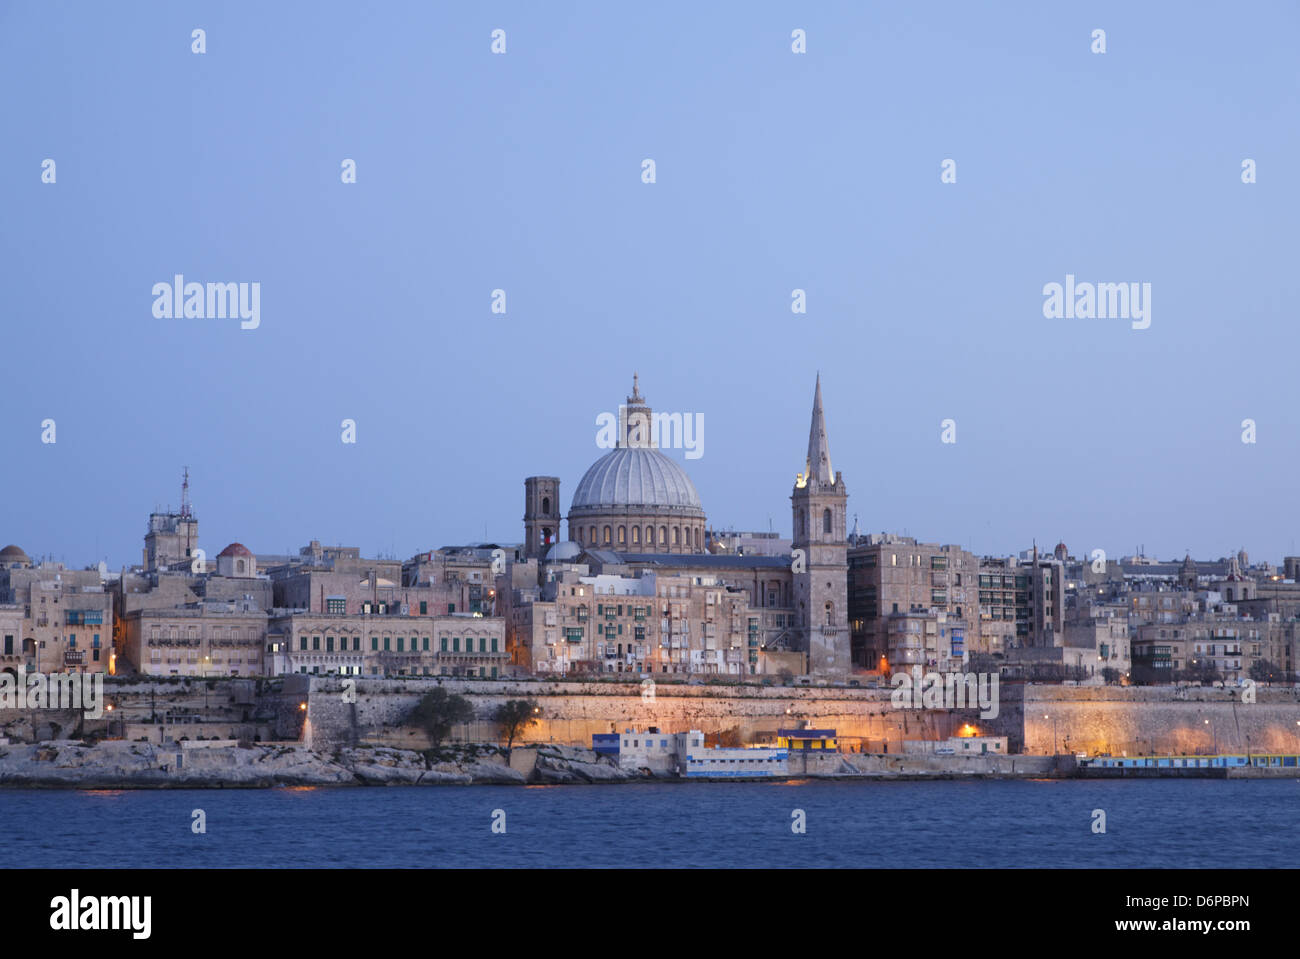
[635,476]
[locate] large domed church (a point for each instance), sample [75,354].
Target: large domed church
[634,498]
[637,509]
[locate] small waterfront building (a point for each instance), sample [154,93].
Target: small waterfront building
[959,746]
[793,739]
[695,761]
[651,750]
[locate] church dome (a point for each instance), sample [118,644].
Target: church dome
[564,552]
[12,554]
[635,476]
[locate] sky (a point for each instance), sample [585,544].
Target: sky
[774,171]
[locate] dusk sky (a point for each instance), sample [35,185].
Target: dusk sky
[775,171]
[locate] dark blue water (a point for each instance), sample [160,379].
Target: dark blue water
[1161,823]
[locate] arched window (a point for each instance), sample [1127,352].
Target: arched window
[830,614]
[591,538]
[803,522]
[606,535]
[546,505]
[636,535]
[826,521]
[622,535]
[649,535]
[663,535]
[239,566]
[677,535]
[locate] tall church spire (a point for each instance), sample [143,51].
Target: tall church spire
[818,465]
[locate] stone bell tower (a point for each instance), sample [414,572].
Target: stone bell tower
[541,515]
[819,563]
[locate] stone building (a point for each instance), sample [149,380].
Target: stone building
[386,644]
[12,658]
[203,639]
[650,624]
[67,616]
[896,576]
[1216,640]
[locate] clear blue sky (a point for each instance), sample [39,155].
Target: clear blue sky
[775,171]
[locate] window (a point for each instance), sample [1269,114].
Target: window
[329,644]
[444,644]
[826,521]
[426,644]
[400,644]
[424,607]
[336,604]
[374,644]
[302,642]
[386,642]
[315,643]
[494,649]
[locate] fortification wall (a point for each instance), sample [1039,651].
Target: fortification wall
[572,712]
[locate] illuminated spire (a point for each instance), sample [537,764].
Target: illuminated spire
[818,465]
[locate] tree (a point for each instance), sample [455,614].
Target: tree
[1263,671]
[438,711]
[1109,674]
[514,716]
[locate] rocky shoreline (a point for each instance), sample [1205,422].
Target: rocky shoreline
[116,764]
